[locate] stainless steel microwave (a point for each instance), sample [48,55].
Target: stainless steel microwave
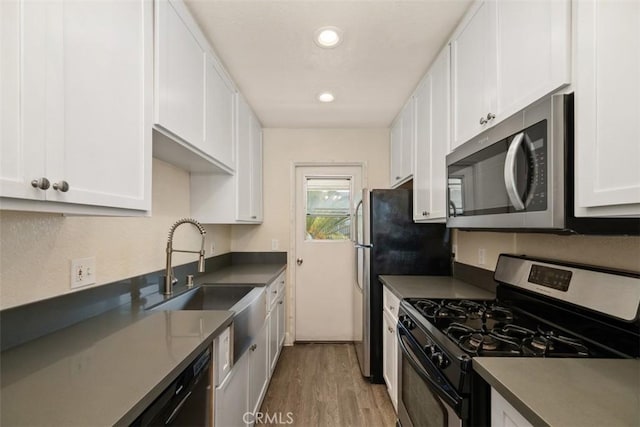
[512,175]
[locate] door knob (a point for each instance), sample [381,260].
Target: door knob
[299,261]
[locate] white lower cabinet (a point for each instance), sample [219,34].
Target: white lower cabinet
[505,415]
[390,348]
[390,357]
[258,370]
[232,396]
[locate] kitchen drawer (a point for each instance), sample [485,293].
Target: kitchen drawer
[390,302]
[274,290]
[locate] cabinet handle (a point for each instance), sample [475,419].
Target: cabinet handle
[390,329]
[42,183]
[425,213]
[483,121]
[253,217]
[253,347]
[491,116]
[391,308]
[62,186]
[275,292]
[397,178]
[280,302]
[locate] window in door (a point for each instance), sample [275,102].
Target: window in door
[328,208]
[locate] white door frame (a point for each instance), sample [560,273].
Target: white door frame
[291,259]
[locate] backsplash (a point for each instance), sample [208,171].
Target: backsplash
[36,248]
[620,252]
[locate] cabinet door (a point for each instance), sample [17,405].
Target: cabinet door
[395,152]
[258,369]
[505,415]
[98,103]
[22,104]
[219,107]
[272,320]
[243,172]
[473,74]
[231,397]
[180,75]
[256,170]
[389,361]
[408,137]
[422,168]
[440,135]
[281,322]
[607,109]
[533,51]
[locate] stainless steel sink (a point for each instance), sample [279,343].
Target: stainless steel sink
[247,302]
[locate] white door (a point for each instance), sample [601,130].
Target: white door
[325,287]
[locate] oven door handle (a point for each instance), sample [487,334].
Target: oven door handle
[450,397]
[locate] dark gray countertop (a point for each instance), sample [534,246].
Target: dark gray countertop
[244,274]
[105,370]
[433,287]
[567,392]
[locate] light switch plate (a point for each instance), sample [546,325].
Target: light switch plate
[83,272]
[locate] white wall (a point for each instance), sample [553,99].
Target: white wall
[283,147]
[36,248]
[622,252]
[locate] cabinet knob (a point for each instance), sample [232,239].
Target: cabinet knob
[253,347]
[42,183]
[390,329]
[62,186]
[280,302]
[491,116]
[253,217]
[483,121]
[299,261]
[425,213]
[397,178]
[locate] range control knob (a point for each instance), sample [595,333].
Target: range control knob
[439,360]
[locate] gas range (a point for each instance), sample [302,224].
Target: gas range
[542,308]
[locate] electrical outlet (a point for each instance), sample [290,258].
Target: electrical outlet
[83,272]
[274,244]
[481,256]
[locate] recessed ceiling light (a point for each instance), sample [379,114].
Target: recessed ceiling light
[328,37]
[326,97]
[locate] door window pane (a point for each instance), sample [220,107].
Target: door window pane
[328,209]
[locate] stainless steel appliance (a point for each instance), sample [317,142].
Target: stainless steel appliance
[512,175]
[543,309]
[389,242]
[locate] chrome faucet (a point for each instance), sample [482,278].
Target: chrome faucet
[168,277]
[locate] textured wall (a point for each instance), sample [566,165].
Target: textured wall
[609,251]
[36,248]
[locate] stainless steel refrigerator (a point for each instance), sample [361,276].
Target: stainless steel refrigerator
[389,242]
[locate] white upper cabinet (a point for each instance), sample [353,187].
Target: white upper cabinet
[432,142]
[193,96]
[607,107]
[233,199]
[505,56]
[76,106]
[473,74]
[401,150]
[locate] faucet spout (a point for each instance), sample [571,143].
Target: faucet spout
[168,277]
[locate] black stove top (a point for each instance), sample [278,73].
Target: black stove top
[488,328]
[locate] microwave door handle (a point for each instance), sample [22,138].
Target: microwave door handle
[510,172]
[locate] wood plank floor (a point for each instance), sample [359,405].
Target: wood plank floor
[320,384]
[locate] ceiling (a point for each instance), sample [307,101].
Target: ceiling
[268,48]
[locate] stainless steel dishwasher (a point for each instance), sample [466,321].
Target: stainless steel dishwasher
[186,401]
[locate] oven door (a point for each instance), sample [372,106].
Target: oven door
[425,397]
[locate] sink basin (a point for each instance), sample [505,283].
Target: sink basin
[206,297]
[247,302]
